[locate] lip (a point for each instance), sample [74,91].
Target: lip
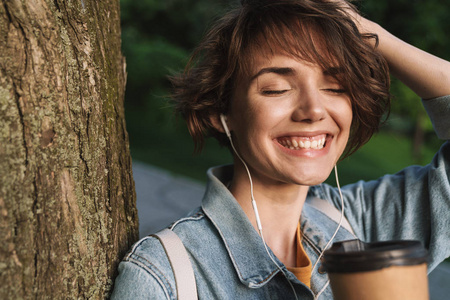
[308,134]
[310,153]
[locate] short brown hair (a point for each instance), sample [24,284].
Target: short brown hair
[319,31]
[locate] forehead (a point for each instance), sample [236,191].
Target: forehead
[283,63]
[288,66]
[301,40]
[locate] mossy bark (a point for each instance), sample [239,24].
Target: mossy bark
[67,200]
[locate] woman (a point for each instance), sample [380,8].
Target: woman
[298,83]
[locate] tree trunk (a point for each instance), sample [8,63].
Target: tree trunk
[67,200]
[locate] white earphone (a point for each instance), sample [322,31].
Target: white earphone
[223,119]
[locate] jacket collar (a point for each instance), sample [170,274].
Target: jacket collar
[242,241]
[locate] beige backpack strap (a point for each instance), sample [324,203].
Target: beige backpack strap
[181,265]
[331,211]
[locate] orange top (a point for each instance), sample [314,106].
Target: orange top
[302,270]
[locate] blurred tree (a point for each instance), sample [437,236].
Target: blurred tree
[67,200]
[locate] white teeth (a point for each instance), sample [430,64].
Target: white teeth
[321,142]
[301,143]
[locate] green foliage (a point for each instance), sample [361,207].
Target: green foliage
[157,38]
[180,22]
[422,23]
[148,63]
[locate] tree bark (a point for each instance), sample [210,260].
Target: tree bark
[67,200]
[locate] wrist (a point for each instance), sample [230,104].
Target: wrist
[366,26]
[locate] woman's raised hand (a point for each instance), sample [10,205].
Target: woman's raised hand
[427,75]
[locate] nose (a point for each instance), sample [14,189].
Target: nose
[309,107]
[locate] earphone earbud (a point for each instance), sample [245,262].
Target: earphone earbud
[223,120]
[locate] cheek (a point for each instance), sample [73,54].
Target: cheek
[347,130]
[348,123]
[344,116]
[255,116]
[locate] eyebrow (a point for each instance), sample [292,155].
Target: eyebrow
[290,71]
[276,70]
[333,71]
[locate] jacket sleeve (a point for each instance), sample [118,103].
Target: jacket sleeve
[438,110]
[412,204]
[145,273]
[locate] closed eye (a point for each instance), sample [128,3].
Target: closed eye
[274,92]
[336,91]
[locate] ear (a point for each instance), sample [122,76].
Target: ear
[217,123]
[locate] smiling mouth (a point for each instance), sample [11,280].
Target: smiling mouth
[300,143]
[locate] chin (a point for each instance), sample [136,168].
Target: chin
[311,179]
[312,182]
[302,177]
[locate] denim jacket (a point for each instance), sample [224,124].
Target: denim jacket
[230,260]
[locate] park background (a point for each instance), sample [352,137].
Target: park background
[68,186]
[157,39]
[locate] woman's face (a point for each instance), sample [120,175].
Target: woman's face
[290,121]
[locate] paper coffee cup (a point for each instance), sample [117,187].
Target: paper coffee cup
[394,270]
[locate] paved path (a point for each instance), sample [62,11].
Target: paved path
[163,198]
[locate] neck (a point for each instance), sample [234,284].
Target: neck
[279,207]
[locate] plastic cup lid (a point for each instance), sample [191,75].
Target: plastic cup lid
[357,256]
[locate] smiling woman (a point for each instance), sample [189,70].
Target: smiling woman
[292,86]
[310,31]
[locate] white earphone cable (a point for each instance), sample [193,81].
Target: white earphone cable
[255,208]
[334,235]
